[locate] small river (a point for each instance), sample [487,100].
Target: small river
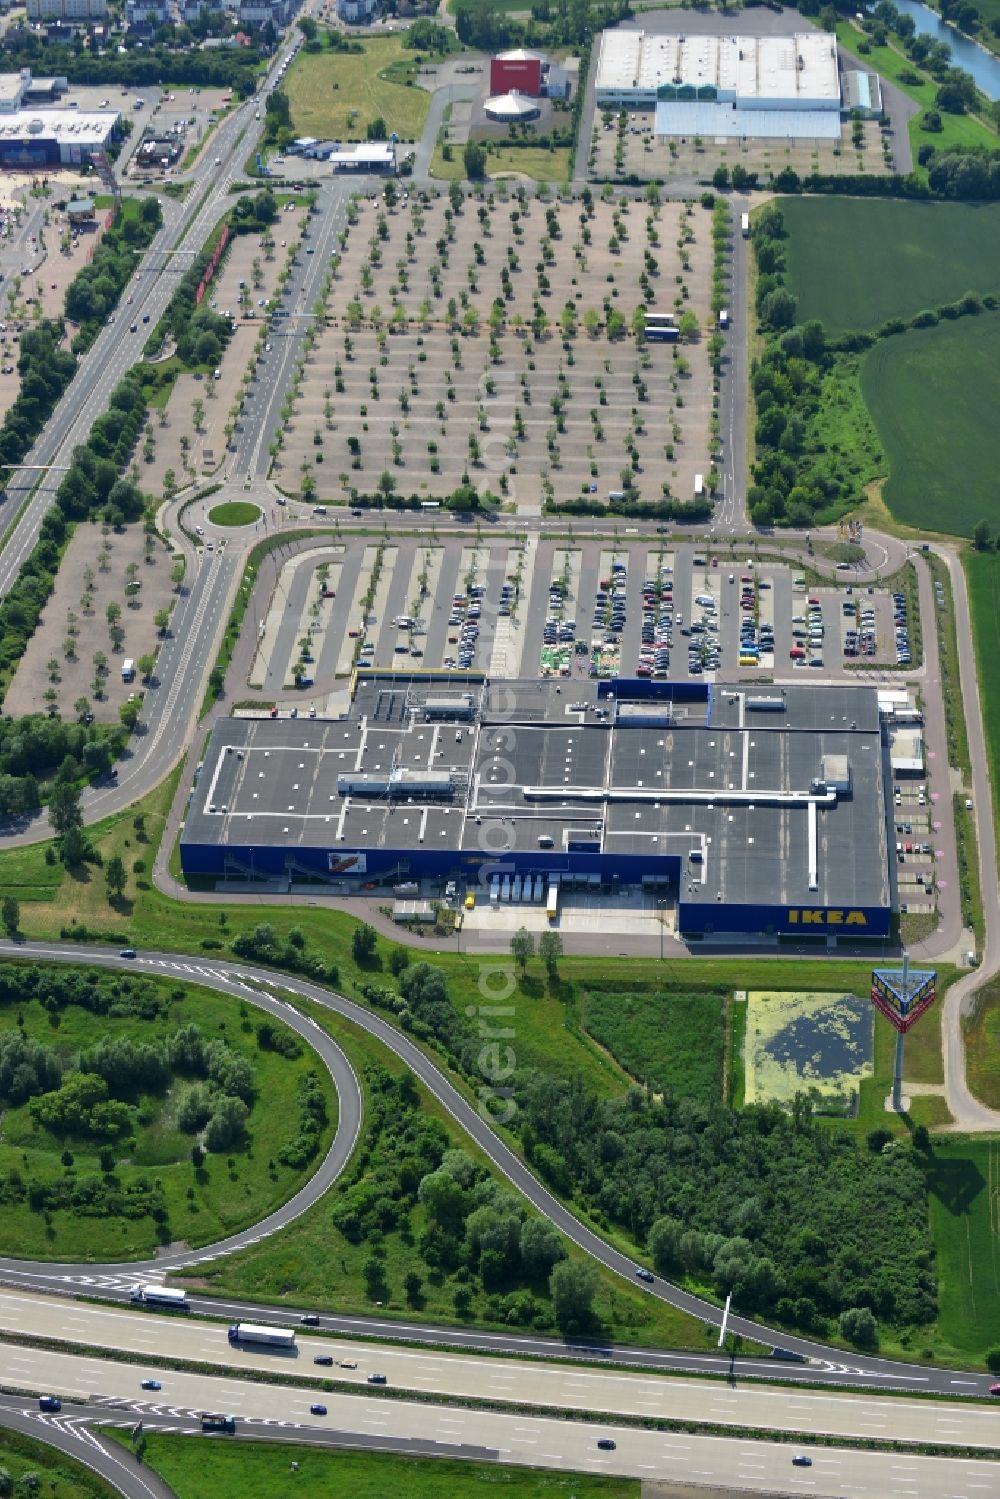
[984,67]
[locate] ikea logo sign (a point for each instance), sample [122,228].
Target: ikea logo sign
[827,918]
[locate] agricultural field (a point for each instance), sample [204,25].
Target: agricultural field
[336,95]
[963,1178]
[982,570]
[196,1469]
[672,1043]
[838,270]
[103,1105]
[496,341]
[819,1043]
[933,395]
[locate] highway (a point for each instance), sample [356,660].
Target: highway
[245,981]
[106,1389]
[149,1336]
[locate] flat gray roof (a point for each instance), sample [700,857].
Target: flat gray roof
[741,786]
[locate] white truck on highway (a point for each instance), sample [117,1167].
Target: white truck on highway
[170,1296]
[269,1337]
[745,225]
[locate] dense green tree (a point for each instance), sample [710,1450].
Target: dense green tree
[573,1286]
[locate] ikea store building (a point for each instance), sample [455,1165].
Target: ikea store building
[753,812]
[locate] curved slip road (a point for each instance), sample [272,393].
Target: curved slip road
[824,1364]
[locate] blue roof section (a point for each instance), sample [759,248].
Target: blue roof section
[693,118]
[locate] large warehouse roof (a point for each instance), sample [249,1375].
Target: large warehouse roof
[799,69]
[68,127]
[780,796]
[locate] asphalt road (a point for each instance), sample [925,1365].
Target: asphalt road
[146,1335]
[522,1440]
[827,1366]
[72,1434]
[730,514]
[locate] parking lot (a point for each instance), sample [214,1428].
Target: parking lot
[918,829]
[524,607]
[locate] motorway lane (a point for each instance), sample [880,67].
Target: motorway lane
[244,980]
[560,1386]
[528,1440]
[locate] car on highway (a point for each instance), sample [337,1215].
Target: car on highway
[127,952]
[326,1359]
[348,1363]
[133,328]
[606,1444]
[49,1403]
[151,1384]
[145,317]
[801,1461]
[374,1378]
[317,1410]
[995,1389]
[646,1275]
[309,1319]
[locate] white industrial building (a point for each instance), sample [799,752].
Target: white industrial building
[32,139]
[784,86]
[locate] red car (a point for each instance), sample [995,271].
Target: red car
[995,1389]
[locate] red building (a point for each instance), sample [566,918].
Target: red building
[519,70]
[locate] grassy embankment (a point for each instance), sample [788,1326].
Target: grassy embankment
[219,1470]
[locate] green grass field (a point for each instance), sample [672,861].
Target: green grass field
[196,1469]
[957,130]
[59,1477]
[933,395]
[227,1193]
[234,513]
[964,1181]
[335,95]
[671,1042]
[840,272]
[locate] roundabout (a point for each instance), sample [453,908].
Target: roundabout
[234,514]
